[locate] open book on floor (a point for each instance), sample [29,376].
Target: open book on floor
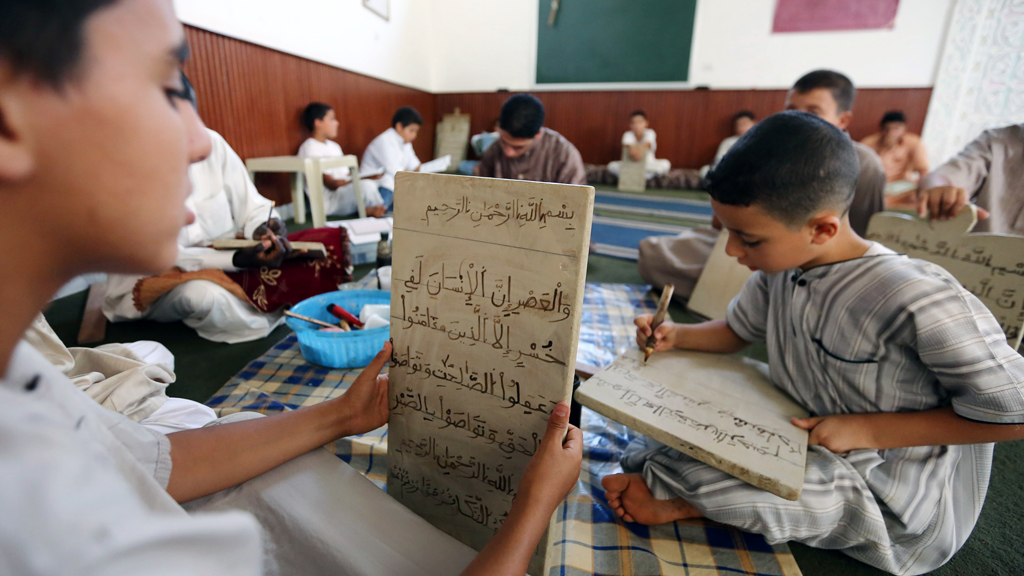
[720,409]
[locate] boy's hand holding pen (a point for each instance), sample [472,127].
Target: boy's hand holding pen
[653,331]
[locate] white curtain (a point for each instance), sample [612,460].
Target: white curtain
[980,83]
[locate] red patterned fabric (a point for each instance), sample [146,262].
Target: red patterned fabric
[268,289]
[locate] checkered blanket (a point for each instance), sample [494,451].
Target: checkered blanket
[586,538]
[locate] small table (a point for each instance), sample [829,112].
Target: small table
[312,170]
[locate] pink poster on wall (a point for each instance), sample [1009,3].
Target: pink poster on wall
[826,15]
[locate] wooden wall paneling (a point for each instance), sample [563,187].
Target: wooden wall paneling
[690,123]
[254,96]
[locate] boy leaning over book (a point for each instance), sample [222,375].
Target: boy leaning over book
[908,377]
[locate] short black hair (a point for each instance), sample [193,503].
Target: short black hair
[839,85]
[314,111]
[522,116]
[792,165]
[638,113]
[44,38]
[406,115]
[893,116]
[743,114]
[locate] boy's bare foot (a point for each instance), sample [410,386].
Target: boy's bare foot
[376,211]
[633,502]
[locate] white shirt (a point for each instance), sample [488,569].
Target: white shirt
[84,490]
[392,153]
[225,202]
[723,148]
[629,139]
[313,148]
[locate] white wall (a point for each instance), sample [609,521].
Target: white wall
[484,45]
[337,32]
[733,47]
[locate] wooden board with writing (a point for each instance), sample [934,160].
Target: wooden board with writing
[990,266]
[632,173]
[720,409]
[452,137]
[486,298]
[722,279]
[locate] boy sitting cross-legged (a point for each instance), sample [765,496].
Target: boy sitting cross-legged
[907,375]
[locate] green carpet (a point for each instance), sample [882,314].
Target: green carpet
[996,548]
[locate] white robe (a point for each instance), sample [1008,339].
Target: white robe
[341,201]
[130,379]
[392,153]
[655,167]
[225,202]
[84,492]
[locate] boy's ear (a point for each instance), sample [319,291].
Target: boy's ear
[844,120]
[16,160]
[824,227]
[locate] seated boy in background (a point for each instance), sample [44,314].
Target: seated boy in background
[640,138]
[742,121]
[907,376]
[392,150]
[339,190]
[526,150]
[903,157]
[679,260]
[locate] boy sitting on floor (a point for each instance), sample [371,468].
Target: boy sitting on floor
[392,150]
[527,150]
[339,190]
[908,377]
[641,138]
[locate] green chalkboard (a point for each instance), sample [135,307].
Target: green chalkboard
[615,41]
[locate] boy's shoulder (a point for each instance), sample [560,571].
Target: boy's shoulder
[880,277]
[887,280]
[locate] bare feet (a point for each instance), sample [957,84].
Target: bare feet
[376,211]
[632,501]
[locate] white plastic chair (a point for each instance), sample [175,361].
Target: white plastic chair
[312,170]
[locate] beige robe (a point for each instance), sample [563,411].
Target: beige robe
[111,374]
[991,170]
[552,158]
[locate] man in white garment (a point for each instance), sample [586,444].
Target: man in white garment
[639,139]
[225,203]
[392,150]
[95,143]
[339,189]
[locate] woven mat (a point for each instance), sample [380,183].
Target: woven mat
[587,537]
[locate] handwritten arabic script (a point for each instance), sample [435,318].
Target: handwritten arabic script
[718,409]
[514,212]
[485,309]
[990,266]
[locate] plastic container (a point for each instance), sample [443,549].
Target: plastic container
[353,349]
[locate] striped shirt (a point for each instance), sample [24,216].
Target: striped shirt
[880,333]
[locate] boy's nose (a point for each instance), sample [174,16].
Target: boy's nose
[732,247]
